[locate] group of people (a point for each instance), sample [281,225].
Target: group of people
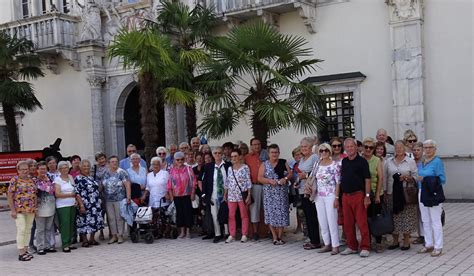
[339,182]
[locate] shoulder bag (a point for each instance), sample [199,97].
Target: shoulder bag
[382,223]
[244,194]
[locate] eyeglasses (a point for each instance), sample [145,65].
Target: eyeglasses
[336,145]
[369,147]
[428,147]
[412,141]
[161,153]
[324,150]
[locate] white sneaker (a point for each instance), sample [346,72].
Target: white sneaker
[364,253]
[348,251]
[229,239]
[244,239]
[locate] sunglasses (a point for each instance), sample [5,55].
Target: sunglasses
[336,145]
[162,153]
[324,150]
[369,147]
[412,141]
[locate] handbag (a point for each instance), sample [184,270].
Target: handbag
[223,214]
[144,214]
[312,185]
[410,193]
[244,194]
[382,223]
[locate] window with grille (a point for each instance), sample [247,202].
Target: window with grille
[4,142]
[338,115]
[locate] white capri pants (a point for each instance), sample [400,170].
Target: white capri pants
[433,229]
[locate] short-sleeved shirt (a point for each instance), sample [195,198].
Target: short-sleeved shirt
[46,199]
[254,160]
[433,168]
[126,163]
[306,166]
[182,181]
[327,177]
[232,184]
[66,187]
[24,194]
[139,178]
[114,185]
[353,174]
[98,173]
[156,185]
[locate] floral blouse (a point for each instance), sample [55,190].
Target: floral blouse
[243,181]
[327,177]
[182,181]
[24,194]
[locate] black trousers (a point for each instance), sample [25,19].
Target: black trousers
[373,210]
[184,211]
[311,220]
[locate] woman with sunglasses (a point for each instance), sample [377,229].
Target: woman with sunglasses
[337,149]
[328,175]
[409,137]
[182,189]
[161,153]
[376,189]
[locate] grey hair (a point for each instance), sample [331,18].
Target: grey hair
[83,161]
[350,140]
[21,163]
[399,142]
[307,140]
[195,138]
[30,161]
[217,148]
[161,149]
[184,144]
[418,145]
[135,155]
[63,163]
[156,159]
[430,142]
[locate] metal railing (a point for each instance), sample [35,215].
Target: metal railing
[46,31]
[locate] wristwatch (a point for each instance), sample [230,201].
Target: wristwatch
[367,195]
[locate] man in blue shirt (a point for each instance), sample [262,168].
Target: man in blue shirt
[126,162]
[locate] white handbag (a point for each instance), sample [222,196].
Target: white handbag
[144,214]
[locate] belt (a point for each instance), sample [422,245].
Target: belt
[353,193]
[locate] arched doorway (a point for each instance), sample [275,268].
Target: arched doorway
[132,123]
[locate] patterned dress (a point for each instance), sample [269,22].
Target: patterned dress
[92,221]
[275,198]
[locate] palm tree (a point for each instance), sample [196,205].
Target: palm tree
[255,74]
[18,62]
[187,28]
[151,54]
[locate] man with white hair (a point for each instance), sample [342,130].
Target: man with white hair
[195,144]
[382,137]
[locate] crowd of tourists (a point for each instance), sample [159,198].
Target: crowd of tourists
[341,182]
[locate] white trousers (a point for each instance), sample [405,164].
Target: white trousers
[433,229]
[327,217]
[217,226]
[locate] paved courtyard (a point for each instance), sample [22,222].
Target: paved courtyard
[187,257]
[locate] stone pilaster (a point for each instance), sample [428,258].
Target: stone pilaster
[96,84]
[406,35]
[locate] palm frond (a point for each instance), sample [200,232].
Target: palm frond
[19,94]
[219,123]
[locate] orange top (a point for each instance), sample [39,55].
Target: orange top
[252,160]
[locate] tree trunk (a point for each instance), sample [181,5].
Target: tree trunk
[260,130]
[12,130]
[191,126]
[160,107]
[149,118]
[171,128]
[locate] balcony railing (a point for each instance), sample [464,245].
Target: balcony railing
[48,31]
[234,6]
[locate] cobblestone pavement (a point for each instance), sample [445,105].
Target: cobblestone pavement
[180,257]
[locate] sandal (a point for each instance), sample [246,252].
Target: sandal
[24,257]
[310,246]
[281,242]
[275,242]
[67,250]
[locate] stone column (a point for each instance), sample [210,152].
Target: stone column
[96,83]
[406,35]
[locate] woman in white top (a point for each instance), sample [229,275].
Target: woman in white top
[156,183]
[327,176]
[65,205]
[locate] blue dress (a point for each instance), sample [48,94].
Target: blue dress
[275,198]
[92,221]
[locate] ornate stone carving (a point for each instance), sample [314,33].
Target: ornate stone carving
[90,14]
[96,81]
[268,17]
[404,9]
[308,14]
